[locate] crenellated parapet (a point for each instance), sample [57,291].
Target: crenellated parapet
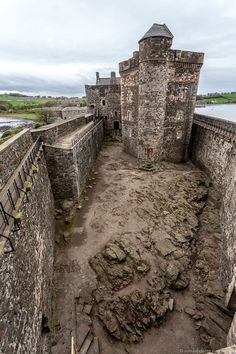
[187,57]
[158,94]
[129,64]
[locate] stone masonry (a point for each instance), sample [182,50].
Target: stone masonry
[158,93]
[11,152]
[26,274]
[69,166]
[104,99]
[213,149]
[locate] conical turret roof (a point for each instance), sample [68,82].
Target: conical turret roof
[158,30]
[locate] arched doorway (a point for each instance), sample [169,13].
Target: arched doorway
[116,125]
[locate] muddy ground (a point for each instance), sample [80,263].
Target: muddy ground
[142,254]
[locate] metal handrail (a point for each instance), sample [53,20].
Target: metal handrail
[9,198]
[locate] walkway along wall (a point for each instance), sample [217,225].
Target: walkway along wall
[213,148]
[69,164]
[26,273]
[11,152]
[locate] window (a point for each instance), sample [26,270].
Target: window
[103,102]
[116,125]
[115,113]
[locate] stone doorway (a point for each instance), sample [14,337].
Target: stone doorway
[116,125]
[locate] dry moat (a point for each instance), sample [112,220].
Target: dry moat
[137,267]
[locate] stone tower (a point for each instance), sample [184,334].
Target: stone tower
[104,100]
[153,83]
[158,93]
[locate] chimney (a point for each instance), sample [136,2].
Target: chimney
[136,55]
[97,77]
[113,78]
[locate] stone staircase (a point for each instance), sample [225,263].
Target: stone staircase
[85,340]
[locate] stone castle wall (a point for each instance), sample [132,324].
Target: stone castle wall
[73,113]
[26,273]
[167,82]
[12,152]
[213,148]
[180,104]
[129,103]
[68,167]
[105,101]
[52,132]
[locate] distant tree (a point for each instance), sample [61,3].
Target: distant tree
[5,106]
[44,114]
[83,103]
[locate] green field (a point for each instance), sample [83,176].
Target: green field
[25,107]
[223,98]
[26,115]
[18,102]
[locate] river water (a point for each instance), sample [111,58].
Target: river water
[224,111]
[8,123]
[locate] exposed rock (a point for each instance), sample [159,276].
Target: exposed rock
[119,275]
[171,273]
[67,205]
[88,308]
[171,304]
[66,236]
[59,211]
[114,253]
[157,283]
[98,295]
[110,322]
[165,246]
[127,317]
[143,266]
[214,289]
[67,220]
[181,283]
[214,344]
[190,311]
[129,248]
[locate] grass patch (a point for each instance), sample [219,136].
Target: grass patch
[26,115]
[40,124]
[11,132]
[20,102]
[221,99]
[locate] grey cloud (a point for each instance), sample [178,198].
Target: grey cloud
[97,34]
[41,86]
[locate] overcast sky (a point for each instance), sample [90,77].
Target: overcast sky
[56,46]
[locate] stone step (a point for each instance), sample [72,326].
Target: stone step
[81,335]
[94,348]
[85,347]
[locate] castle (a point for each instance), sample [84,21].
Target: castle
[104,100]
[158,94]
[156,98]
[49,166]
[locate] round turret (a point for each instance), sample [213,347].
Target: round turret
[154,51]
[155,44]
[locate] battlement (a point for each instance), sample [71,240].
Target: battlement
[158,90]
[183,56]
[129,64]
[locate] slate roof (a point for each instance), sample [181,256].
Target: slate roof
[107,81]
[158,31]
